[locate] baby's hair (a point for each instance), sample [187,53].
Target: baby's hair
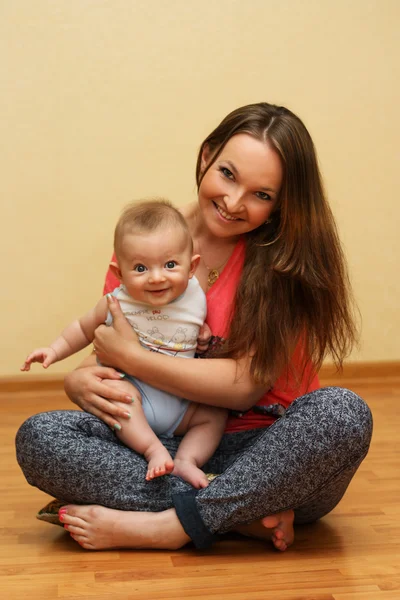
[147,216]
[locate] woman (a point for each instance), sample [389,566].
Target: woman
[278,302]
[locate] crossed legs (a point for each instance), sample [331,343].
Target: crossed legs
[303,463]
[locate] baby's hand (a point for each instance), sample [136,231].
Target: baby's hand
[203,339]
[47,356]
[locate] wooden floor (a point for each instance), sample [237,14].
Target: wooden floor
[353,554]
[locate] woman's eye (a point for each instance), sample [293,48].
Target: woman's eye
[139,268]
[170,264]
[263,196]
[226,172]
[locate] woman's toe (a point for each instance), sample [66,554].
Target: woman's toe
[280,545]
[278,534]
[75,530]
[81,540]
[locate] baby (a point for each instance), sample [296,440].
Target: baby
[166,306]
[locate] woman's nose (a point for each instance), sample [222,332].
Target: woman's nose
[233,202]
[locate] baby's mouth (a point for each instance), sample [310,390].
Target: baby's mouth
[158,291]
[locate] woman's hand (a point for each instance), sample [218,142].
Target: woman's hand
[87,388]
[112,344]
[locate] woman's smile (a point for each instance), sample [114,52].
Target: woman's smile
[224,214]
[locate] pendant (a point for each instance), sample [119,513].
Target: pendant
[212,276]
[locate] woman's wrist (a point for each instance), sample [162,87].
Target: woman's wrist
[129,357]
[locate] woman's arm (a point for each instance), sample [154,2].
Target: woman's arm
[219,382]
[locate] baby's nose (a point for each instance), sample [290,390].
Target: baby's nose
[157,275]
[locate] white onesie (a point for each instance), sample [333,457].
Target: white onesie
[171,329]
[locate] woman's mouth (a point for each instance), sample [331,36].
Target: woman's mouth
[224,214]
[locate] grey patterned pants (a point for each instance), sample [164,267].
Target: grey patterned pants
[304,461]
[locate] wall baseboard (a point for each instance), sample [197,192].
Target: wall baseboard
[32,383]
[357,372]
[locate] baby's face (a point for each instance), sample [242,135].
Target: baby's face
[156,267]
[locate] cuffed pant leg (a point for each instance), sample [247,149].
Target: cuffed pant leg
[294,464]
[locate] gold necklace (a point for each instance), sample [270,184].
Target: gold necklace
[213,272]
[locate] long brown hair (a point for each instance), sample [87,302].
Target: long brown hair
[294,292]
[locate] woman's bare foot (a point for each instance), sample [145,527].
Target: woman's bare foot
[278,528]
[160,462]
[282,529]
[97,528]
[188,471]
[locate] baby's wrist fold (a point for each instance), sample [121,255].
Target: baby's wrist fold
[55,352]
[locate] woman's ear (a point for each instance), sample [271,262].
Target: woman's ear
[115,270]
[205,157]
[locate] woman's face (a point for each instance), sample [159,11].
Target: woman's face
[240,189]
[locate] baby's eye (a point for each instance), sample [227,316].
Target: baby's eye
[226,172]
[139,268]
[170,264]
[263,196]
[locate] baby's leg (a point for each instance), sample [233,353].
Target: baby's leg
[138,435]
[204,426]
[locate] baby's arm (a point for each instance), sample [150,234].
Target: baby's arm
[75,337]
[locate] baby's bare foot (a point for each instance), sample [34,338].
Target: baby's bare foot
[98,528]
[160,463]
[188,471]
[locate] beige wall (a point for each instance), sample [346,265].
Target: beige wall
[106,101]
